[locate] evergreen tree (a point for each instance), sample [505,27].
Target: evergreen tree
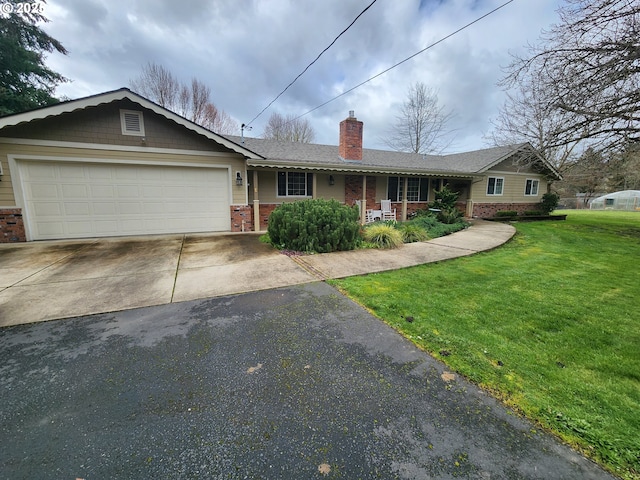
[25,81]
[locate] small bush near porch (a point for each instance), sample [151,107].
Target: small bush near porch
[317,225]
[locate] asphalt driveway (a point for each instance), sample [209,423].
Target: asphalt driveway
[288,383]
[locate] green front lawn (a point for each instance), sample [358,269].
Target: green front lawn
[549,323]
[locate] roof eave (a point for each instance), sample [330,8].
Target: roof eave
[358,169]
[116,95]
[519,148]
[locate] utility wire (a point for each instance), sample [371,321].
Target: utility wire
[314,61]
[405,60]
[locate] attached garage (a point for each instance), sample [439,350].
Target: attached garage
[88,199]
[116,164]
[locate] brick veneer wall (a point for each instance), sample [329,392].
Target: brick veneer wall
[265,211]
[353,190]
[488,210]
[11,226]
[240,213]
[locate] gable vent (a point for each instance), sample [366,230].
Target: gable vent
[132,123]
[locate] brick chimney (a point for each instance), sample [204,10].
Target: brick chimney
[351,138]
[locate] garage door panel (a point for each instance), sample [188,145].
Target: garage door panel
[102,191]
[128,191]
[74,191]
[77,209]
[39,191]
[47,209]
[42,172]
[99,172]
[71,171]
[65,200]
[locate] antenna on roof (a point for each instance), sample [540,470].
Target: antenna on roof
[242,127]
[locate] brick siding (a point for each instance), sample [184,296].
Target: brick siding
[241,218]
[488,210]
[11,226]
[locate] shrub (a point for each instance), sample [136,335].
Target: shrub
[314,226]
[445,199]
[445,202]
[506,213]
[383,236]
[450,216]
[425,221]
[533,213]
[549,202]
[413,233]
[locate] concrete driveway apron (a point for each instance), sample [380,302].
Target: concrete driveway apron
[50,280]
[289,383]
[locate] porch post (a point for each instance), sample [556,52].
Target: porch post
[363,202]
[256,203]
[314,185]
[404,199]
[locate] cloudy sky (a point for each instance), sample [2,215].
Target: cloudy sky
[248,51]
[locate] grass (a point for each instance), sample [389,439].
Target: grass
[548,323]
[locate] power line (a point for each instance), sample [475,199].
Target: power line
[405,60]
[314,61]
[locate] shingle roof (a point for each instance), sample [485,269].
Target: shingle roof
[313,156]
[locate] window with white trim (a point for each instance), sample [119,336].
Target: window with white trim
[132,123]
[295,184]
[495,185]
[417,189]
[531,188]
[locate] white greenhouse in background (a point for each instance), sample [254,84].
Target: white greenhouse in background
[625,200]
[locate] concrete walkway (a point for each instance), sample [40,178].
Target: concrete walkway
[51,280]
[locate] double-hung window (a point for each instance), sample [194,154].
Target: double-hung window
[295,184]
[531,187]
[495,185]
[417,189]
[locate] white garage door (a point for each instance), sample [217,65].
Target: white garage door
[75,200]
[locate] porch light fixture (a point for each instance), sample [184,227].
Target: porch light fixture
[238,179]
[332,180]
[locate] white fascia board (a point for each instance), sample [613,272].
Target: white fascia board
[108,97]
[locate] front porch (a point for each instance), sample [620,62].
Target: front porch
[269,188]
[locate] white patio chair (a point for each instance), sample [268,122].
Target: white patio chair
[387,212]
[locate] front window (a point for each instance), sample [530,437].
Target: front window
[531,187]
[495,185]
[417,189]
[295,184]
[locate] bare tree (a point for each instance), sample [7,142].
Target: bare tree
[218,120]
[589,72]
[587,175]
[158,84]
[421,124]
[525,117]
[192,101]
[288,129]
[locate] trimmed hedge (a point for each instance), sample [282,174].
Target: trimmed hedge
[316,225]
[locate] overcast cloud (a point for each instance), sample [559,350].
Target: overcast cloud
[247,51]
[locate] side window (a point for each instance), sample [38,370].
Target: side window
[495,185]
[531,188]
